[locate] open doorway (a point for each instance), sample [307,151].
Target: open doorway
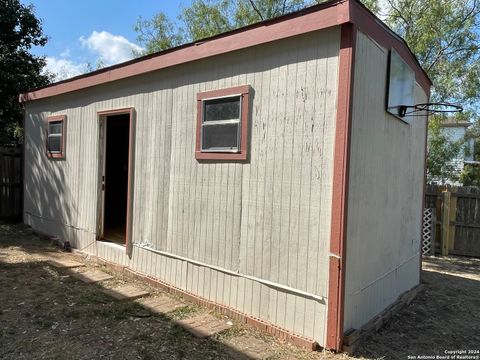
[115,177]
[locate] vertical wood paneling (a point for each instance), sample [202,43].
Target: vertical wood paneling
[385,192]
[267,217]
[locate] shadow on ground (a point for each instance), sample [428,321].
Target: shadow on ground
[46,313]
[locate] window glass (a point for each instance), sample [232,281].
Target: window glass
[221,136]
[54,143]
[55,127]
[222,109]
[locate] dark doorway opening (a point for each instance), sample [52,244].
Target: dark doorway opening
[116,178]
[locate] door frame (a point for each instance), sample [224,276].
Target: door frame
[102,138]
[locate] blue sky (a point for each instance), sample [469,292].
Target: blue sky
[85,31]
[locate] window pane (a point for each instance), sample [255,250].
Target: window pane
[222,109]
[223,137]
[55,143]
[55,127]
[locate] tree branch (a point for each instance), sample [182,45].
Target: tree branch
[256,9]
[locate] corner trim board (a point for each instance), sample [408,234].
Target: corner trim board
[338,231]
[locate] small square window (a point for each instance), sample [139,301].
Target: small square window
[222,124]
[55,136]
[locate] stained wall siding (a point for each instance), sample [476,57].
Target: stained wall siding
[385,192]
[268,218]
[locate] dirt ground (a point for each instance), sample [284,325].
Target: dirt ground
[45,313]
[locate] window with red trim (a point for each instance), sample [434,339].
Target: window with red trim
[56,136]
[222,124]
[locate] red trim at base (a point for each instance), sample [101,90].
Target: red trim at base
[336,285]
[259,324]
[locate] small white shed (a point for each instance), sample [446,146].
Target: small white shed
[263,169]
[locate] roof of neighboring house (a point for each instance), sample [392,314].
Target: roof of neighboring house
[325,15]
[453,123]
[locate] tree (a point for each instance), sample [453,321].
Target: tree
[157,34]
[205,18]
[19,70]
[470,175]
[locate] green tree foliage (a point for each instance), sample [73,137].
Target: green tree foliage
[157,34]
[205,18]
[470,175]
[19,70]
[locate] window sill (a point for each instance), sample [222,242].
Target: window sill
[56,156]
[242,156]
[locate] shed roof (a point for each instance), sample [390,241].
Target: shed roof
[328,14]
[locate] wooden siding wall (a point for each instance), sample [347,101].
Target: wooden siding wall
[385,193]
[268,218]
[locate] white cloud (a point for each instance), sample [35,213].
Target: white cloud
[65,53]
[105,49]
[112,49]
[64,68]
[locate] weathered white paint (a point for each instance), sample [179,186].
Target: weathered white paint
[268,218]
[385,193]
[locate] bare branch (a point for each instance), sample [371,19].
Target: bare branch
[256,9]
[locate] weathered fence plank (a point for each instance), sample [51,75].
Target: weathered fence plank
[467,222]
[458,213]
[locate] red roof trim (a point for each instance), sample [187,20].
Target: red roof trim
[317,17]
[311,19]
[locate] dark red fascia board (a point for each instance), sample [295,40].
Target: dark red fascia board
[314,18]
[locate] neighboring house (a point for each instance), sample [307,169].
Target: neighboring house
[257,169]
[456,132]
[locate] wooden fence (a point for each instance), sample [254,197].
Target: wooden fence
[457,211]
[11,183]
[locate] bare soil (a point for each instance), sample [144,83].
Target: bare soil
[45,313]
